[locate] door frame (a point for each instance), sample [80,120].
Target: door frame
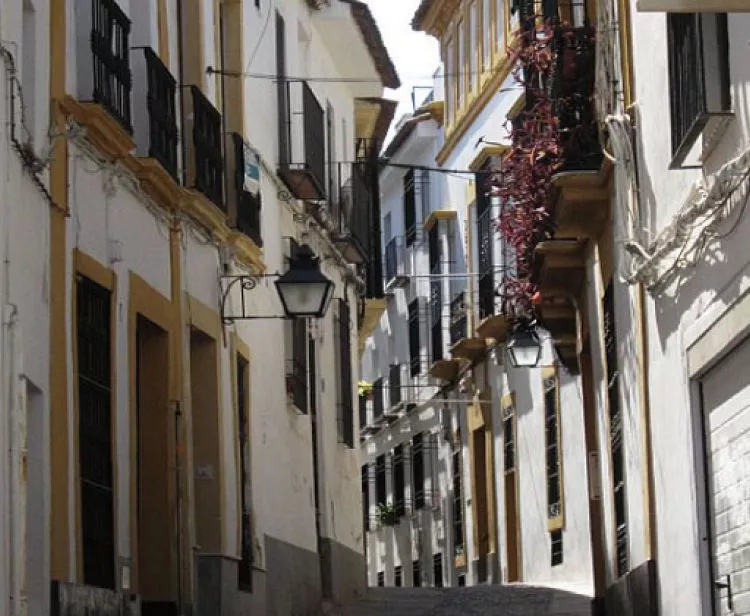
[712,338]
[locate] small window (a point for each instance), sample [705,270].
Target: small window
[399,501]
[699,85]
[417,469]
[398,576]
[500,25]
[410,208]
[461,68]
[556,547]
[473,47]
[487,33]
[462,579]
[381,578]
[415,365]
[552,447]
[450,79]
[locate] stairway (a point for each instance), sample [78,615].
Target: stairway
[508,600]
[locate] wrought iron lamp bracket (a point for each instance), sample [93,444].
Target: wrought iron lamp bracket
[245,282]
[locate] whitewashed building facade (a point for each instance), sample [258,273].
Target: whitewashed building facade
[176,446]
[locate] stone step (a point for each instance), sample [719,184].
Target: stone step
[507,600]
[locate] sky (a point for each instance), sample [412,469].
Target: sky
[415,54]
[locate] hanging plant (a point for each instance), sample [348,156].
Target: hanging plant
[540,54]
[364,389]
[387,514]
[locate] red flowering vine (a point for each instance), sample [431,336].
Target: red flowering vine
[525,180]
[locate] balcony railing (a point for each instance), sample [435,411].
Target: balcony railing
[351,210]
[103,57]
[486,283]
[458,318]
[436,320]
[571,84]
[248,204]
[302,141]
[205,164]
[155,109]
[398,262]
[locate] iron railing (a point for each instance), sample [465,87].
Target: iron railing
[351,206]
[95,432]
[410,208]
[458,318]
[436,319]
[162,112]
[486,282]
[112,80]
[699,83]
[415,363]
[248,204]
[571,84]
[302,139]
[207,150]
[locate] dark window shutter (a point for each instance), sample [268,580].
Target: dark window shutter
[347,407]
[410,208]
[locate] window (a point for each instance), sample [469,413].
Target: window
[437,569]
[461,66]
[462,579]
[398,575]
[458,511]
[380,494]
[424,189]
[473,77]
[698,48]
[387,231]
[410,208]
[414,342]
[346,406]
[556,543]
[552,448]
[485,239]
[450,79]
[366,497]
[381,578]
[296,375]
[394,384]
[377,398]
[112,80]
[417,470]
[416,574]
[487,33]
[500,26]
[399,501]
[246,548]
[510,440]
[616,450]
[94,339]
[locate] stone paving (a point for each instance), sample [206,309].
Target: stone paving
[508,600]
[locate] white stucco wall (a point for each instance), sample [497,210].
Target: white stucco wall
[24,333]
[717,280]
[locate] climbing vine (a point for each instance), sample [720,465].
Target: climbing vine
[546,59]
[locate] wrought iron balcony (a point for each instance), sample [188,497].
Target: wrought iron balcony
[486,283]
[301,141]
[155,109]
[436,320]
[248,204]
[351,210]
[103,61]
[204,160]
[571,84]
[458,319]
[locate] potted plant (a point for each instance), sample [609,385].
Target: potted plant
[387,514]
[365,390]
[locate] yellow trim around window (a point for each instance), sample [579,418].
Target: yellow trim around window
[555,522]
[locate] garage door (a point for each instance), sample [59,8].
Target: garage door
[726,405]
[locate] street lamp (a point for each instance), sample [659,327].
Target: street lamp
[304,291]
[524,348]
